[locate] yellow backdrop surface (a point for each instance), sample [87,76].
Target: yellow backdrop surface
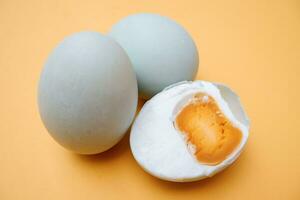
[252,46]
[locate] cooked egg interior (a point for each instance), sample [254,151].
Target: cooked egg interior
[210,134]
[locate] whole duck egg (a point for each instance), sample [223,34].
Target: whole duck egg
[87,93]
[162,52]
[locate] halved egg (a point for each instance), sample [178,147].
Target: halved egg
[189,131]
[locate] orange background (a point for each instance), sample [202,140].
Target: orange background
[253,46]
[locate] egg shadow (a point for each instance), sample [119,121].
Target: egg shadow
[113,153]
[202,185]
[178,186]
[122,147]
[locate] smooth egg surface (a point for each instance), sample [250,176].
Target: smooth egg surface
[162,51]
[87,93]
[189,131]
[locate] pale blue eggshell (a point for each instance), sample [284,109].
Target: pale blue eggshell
[87,93]
[162,52]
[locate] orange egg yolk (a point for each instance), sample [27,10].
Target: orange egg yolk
[205,127]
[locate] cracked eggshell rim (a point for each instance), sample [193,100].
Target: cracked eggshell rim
[161,150]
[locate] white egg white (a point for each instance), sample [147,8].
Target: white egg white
[158,146]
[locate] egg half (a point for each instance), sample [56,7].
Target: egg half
[189,131]
[87,93]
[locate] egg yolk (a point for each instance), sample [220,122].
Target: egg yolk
[205,127]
